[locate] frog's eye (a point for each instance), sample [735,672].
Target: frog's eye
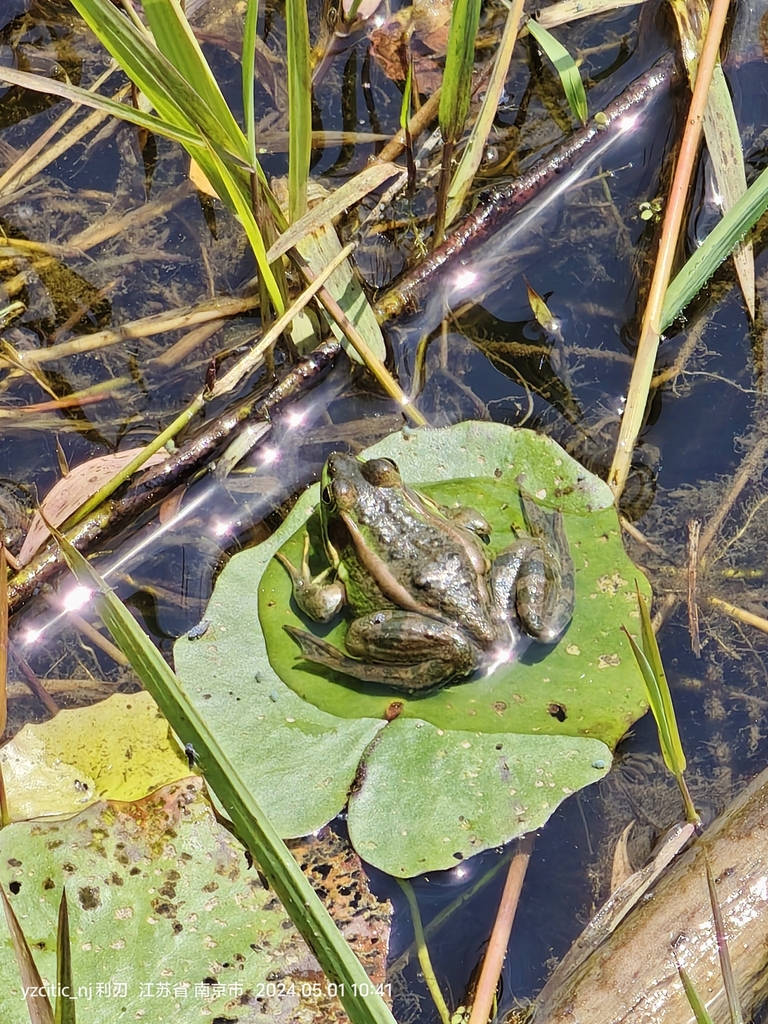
[381,473]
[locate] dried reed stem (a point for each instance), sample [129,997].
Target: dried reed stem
[637,397]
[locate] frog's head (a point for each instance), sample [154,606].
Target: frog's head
[346,481]
[349,496]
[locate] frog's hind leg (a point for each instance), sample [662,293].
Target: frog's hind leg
[399,649]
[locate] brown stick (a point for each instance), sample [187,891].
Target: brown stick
[502,928]
[159,481]
[694,532]
[500,204]
[648,345]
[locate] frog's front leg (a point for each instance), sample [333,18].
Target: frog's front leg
[404,650]
[316,598]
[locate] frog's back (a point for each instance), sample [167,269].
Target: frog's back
[428,560]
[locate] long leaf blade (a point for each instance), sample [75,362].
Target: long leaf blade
[249,65]
[39,83]
[565,67]
[459,62]
[653,654]
[283,873]
[716,248]
[299,106]
[174,98]
[721,131]
[655,701]
[177,43]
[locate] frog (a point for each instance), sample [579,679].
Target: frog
[428,605]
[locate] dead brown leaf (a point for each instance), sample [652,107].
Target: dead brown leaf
[71,491]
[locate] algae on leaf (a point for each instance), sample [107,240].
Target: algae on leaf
[465,768]
[168,920]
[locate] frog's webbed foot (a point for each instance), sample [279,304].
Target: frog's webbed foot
[533,587]
[316,598]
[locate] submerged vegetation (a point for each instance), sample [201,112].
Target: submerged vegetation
[183,244]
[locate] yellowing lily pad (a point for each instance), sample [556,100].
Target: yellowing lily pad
[489,758]
[119,749]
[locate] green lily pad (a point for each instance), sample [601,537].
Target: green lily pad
[492,757]
[167,920]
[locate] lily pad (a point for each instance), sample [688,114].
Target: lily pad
[168,922]
[492,757]
[118,749]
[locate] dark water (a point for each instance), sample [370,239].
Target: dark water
[588,253]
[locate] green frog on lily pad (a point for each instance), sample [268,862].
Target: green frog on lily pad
[428,604]
[437,644]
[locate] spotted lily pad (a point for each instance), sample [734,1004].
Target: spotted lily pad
[168,921]
[433,777]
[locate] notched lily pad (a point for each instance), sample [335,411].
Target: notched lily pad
[557,711]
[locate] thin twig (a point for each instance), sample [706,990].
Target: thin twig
[242,368]
[37,688]
[694,533]
[372,363]
[146,327]
[98,639]
[155,485]
[42,152]
[739,614]
[424,116]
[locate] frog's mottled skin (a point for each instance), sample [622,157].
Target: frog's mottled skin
[428,606]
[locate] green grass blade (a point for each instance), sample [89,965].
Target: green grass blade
[38,83]
[281,870]
[405,103]
[176,42]
[565,67]
[654,699]
[39,1009]
[716,248]
[235,188]
[721,130]
[653,654]
[472,156]
[163,85]
[249,72]
[459,62]
[299,106]
[174,98]
[700,1011]
[65,1004]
